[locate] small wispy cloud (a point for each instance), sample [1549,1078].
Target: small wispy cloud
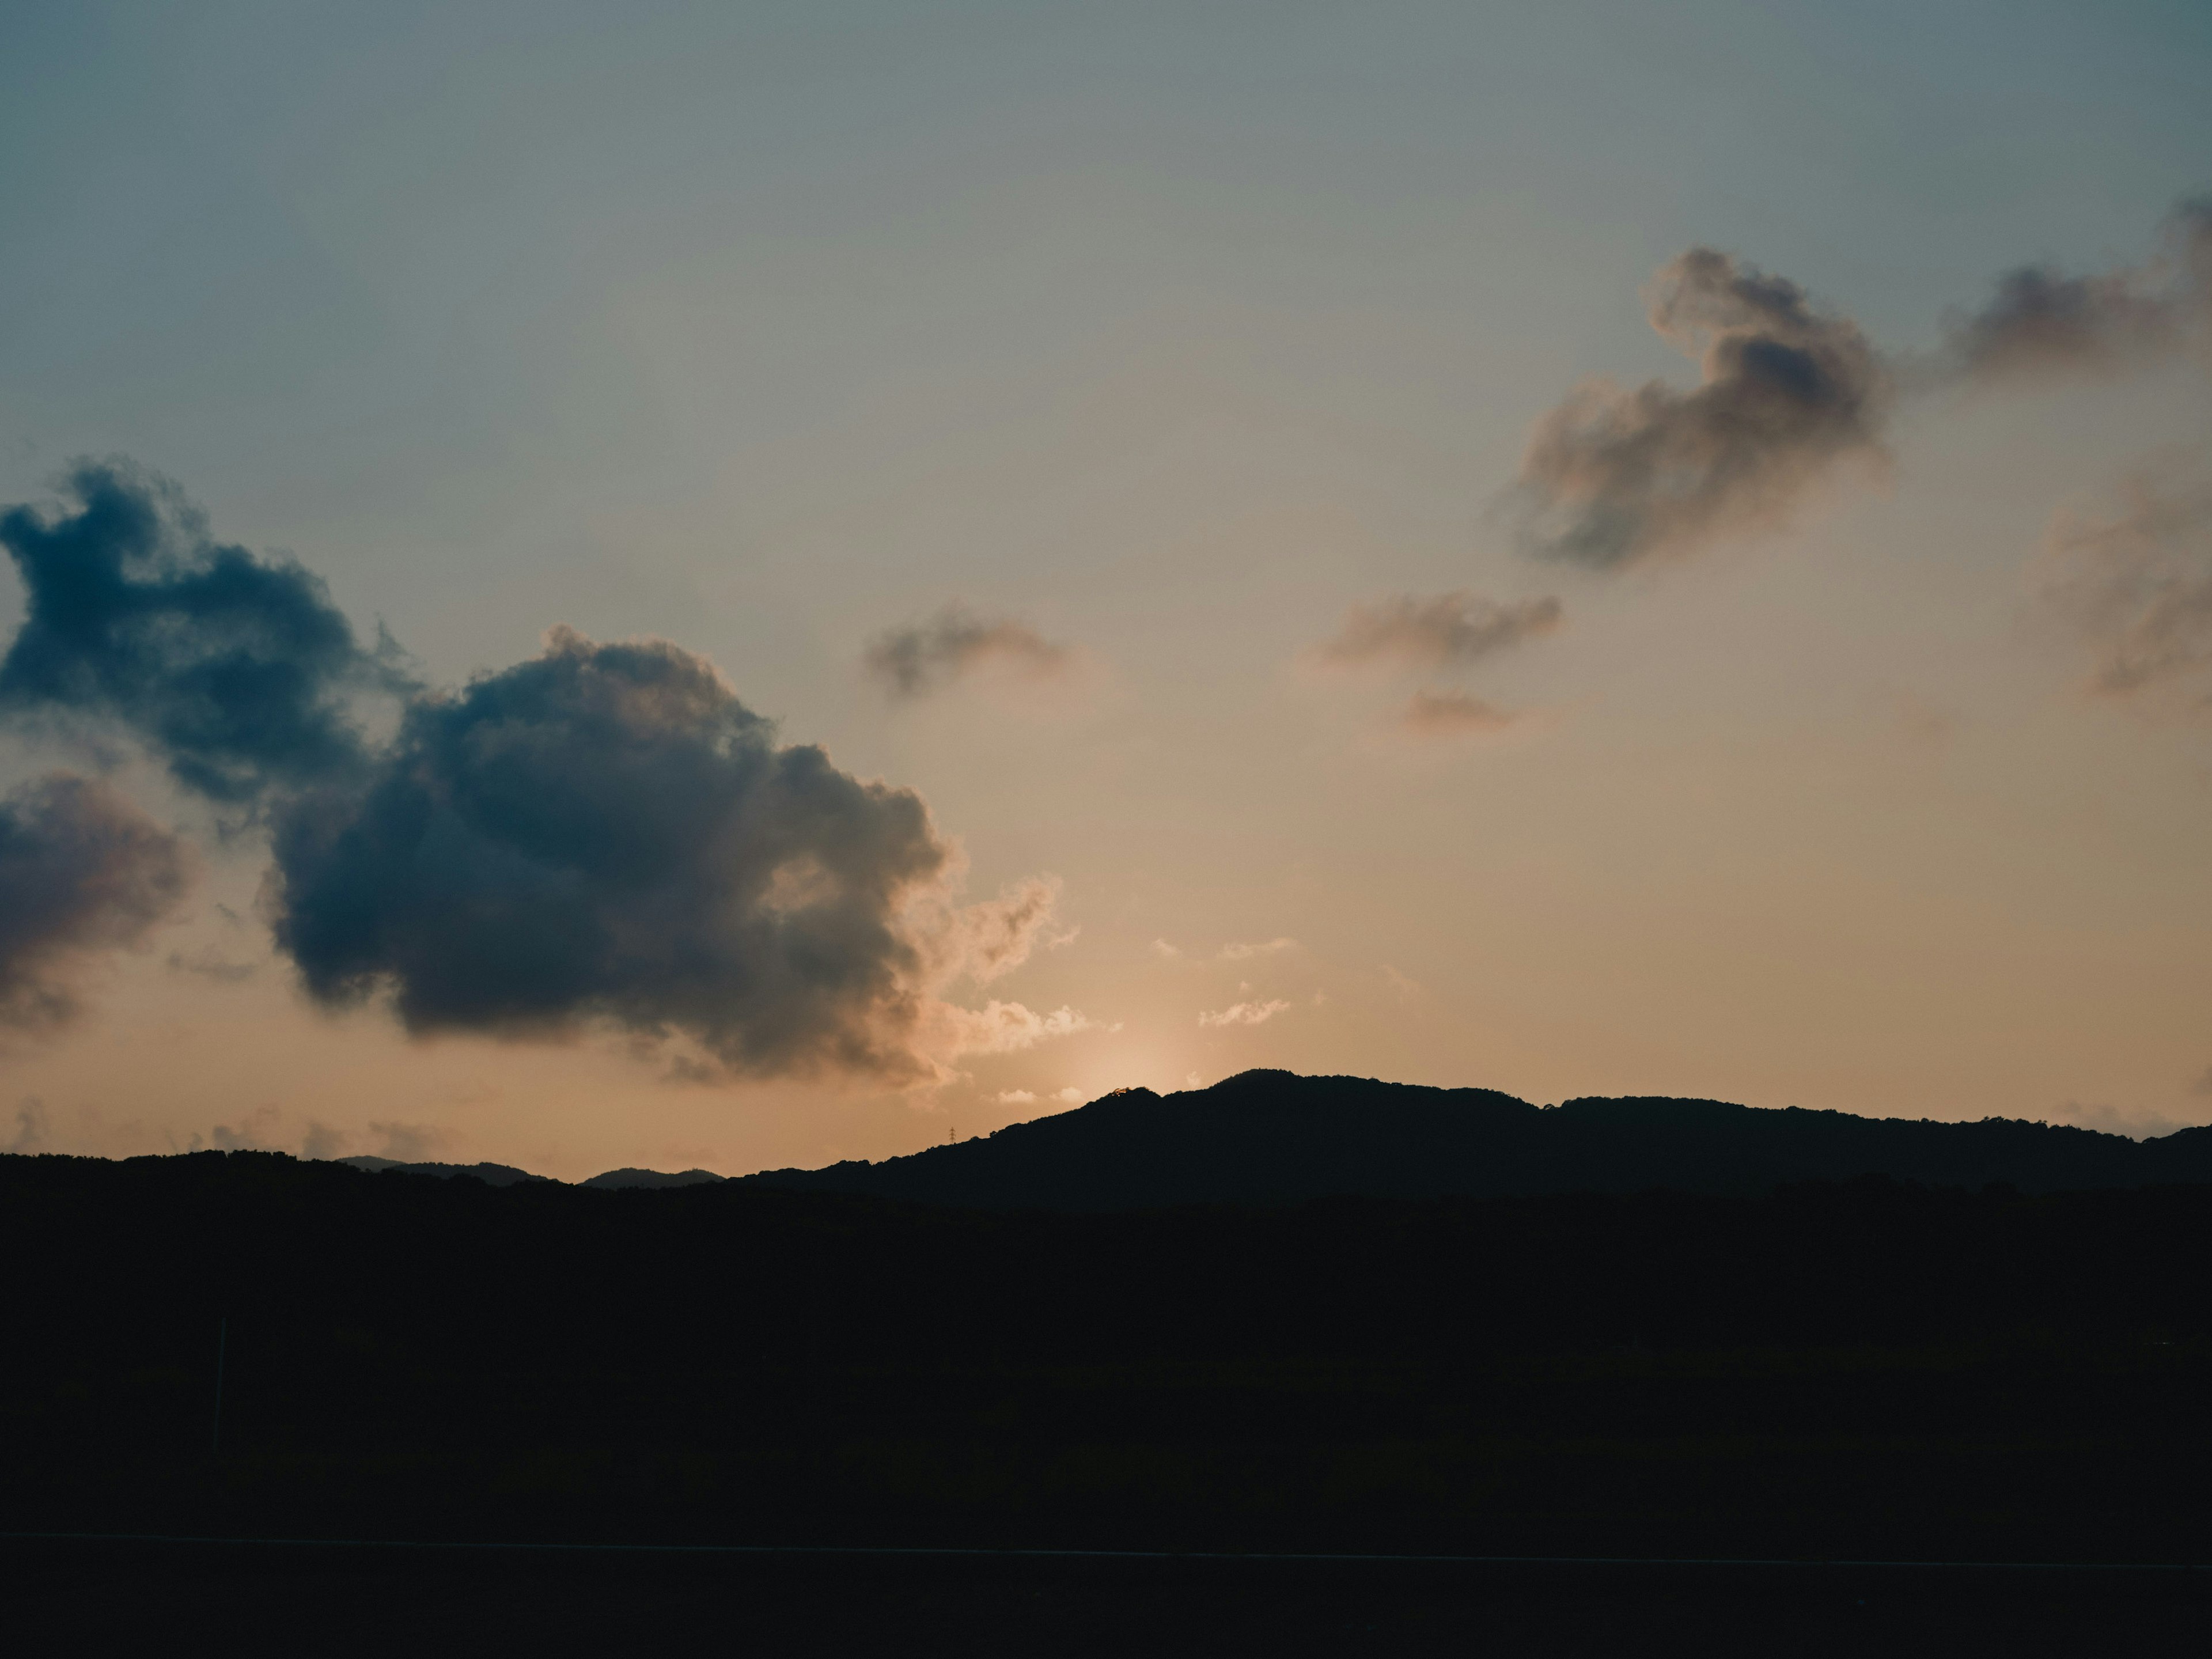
[2114,1121]
[2042,323]
[928,656]
[1453,715]
[2135,587]
[1015,1097]
[1442,631]
[1245,1013]
[1242,953]
[211,963]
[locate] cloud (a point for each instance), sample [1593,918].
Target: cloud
[30,1134]
[1165,951]
[1070,1096]
[256,1132]
[1406,987]
[1265,948]
[1442,631]
[2203,1086]
[2114,1121]
[928,656]
[1015,1097]
[1614,477]
[605,836]
[323,1141]
[235,671]
[2042,324]
[1245,1013]
[2136,588]
[211,963]
[1452,714]
[82,872]
[413,1142]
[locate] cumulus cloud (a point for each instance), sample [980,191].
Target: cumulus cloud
[928,656]
[1442,631]
[604,835]
[2042,323]
[322,1142]
[1245,1013]
[2135,587]
[235,671]
[1614,478]
[82,872]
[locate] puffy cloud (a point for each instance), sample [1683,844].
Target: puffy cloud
[235,670]
[1452,714]
[928,656]
[82,872]
[1614,478]
[1245,1013]
[1442,631]
[2042,323]
[604,835]
[2136,588]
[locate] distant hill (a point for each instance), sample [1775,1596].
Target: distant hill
[651,1178]
[1268,1137]
[492,1174]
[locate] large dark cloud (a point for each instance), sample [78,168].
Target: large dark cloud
[2041,322]
[928,656]
[235,670]
[82,872]
[605,834]
[1614,477]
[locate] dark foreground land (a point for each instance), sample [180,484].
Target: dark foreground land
[1866,1370]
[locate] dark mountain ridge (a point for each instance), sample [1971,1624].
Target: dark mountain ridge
[1268,1137]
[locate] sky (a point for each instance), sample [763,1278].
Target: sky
[738,586]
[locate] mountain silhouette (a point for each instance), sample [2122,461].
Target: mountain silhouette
[1270,1137]
[492,1174]
[655,1178]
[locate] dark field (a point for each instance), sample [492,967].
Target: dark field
[1869,1371]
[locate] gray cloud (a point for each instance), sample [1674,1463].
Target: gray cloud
[2040,322]
[82,872]
[235,670]
[605,835]
[2136,589]
[1614,478]
[1442,631]
[928,656]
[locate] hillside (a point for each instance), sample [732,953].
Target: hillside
[1267,1137]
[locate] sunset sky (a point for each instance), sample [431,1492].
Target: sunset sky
[1574,549]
